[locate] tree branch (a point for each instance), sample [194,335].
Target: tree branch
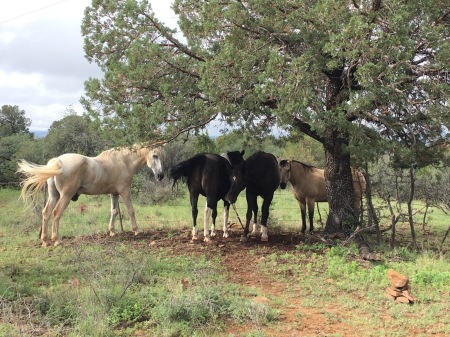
[307,130]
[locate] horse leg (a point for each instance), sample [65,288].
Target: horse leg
[53,197]
[114,212]
[126,197]
[256,227]
[194,201]
[302,205]
[206,237]
[265,216]
[213,224]
[211,207]
[226,213]
[61,205]
[251,201]
[311,203]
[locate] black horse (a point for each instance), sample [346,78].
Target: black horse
[260,175]
[208,174]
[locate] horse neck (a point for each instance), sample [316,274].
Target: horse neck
[139,158]
[133,159]
[297,177]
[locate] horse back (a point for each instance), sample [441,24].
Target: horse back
[308,182]
[262,173]
[205,173]
[90,175]
[213,178]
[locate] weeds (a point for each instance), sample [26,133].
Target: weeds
[118,287]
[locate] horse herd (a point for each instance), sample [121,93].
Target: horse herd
[217,177]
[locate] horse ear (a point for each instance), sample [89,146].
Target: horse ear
[242,153]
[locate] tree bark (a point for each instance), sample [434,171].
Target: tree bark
[372,218]
[338,178]
[342,216]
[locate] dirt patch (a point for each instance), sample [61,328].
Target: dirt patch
[241,261]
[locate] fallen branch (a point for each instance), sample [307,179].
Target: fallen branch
[446,233]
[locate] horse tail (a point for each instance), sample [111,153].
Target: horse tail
[36,177]
[185,168]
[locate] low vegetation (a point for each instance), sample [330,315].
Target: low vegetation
[161,285]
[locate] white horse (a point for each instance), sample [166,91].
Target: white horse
[70,175]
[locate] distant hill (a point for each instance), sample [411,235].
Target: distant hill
[39,133]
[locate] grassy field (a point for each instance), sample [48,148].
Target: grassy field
[161,284]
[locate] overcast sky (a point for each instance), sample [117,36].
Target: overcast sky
[42,63]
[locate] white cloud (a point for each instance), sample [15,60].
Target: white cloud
[42,63]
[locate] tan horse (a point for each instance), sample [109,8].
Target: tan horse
[70,175]
[308,184]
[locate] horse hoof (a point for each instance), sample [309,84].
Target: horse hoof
[57,243]
[195,238]
[207,239]
[243,238]
[264,238]
[137,232]
[213,234]
[226,235]
[111,234]
[45,244]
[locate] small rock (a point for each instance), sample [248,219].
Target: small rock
[410,297]
[393,292]
[397,280]
[402,299]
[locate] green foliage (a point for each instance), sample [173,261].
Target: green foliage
[307,150]
[72,134]
[13,121]
[351,76]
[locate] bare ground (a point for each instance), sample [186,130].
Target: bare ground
[241,261]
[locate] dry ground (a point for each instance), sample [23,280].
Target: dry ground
[241,263]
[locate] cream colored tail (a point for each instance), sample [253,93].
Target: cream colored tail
[37,176]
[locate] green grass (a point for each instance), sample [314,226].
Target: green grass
[91,287]
[334,276]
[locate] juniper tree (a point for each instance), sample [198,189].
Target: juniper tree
[354,75]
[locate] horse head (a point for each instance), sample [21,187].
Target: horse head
[285,173]
[154,161]
[234,157]
[237,183]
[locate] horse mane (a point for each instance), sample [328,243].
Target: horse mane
[305,166]
[184,169]
[124,151]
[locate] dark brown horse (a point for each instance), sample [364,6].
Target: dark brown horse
[208,174]
[308,186]
[260,176]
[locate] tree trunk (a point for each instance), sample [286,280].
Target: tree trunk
[342,216]
[338,178]
[372,218]
[410,210]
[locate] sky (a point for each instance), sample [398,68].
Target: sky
[42,63]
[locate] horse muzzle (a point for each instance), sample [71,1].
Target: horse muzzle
[230,198]
[283,185]
[160,176]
